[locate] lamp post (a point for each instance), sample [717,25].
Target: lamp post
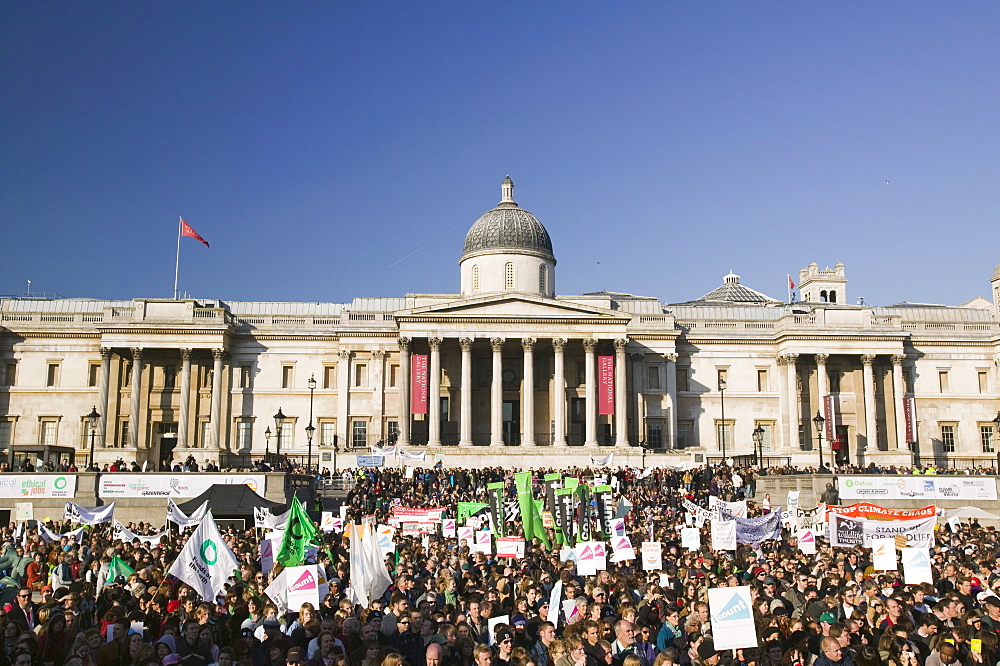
[93,417]
[310,430]
[996,437]
[279,422]
[758,445]
[722,435]
[267,443]
[819,420]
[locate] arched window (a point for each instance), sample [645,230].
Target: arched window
[508,275]
[822,296]
[541,279]
[833,297]
[475,277]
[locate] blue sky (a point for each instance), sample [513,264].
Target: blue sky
[334,150]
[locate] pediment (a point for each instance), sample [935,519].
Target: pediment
[508,306]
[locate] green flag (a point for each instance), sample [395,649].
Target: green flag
[531,519]
[118,568]
[300,532]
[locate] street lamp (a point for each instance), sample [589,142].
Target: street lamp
[279,421]
[996,437]
[819,420]
[722,397]
[310,430]
[267,443]
[93,417]
[758,445]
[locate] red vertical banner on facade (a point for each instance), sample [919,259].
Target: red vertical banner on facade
[606,384]
[418,383]
[830,414]
[910,419]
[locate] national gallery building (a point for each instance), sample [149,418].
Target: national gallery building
[505,372]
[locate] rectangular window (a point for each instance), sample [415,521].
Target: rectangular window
[330,377]
[762,380]
[287,376]
[722,378]
[10,373]
[984,382]
[169,377]
[765,439]
[685,433]
[6,433]
[724,435]
[581,374]
[987,437]
[94,374]
[393,375]
[244,435]
[444,408]
[948,438]
[361,374]
[653,377]
[943,381]
[654,435]
[834,377]
[803,441]
[576,406]
[47,434]
[287,435]
[245,377]
[52,375]
[206,434]
[359,434]
[123,434]
[683,379]
[327,433]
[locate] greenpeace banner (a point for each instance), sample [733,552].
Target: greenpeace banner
[755,530]
[875,487]
[606,384]
[62,486]
[874,512]
[846,532]
[918,533]
[418,383]
[172,485]
[732,618]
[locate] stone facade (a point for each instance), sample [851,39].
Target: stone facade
[513,371]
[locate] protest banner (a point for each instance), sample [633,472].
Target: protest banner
[870,511]
[510,547]
[807,540]
[846,532]
[690,538]
[918,533]
[586,565]
[732,618]
[723,534]
[917,566]
[652,555]
[884,554]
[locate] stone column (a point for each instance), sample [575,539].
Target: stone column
[868,381]
[793,402]
[344,397]
[378,398]
[559,392]
[898,391]
[136,395]
[822,386]
[465,426]
[102,395]
[496,394]
[638,366]
[182,421]
[621,399]
[671,362]
[528,393]
[590,438]
[404,390]
[434,408]
[216,424]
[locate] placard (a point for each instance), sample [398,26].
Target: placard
[652,555]
[510,547]
[732,617]
[917,566]
[24,511]
[723,534]
[303,586]
[807,541]
[884,554]
[690,538]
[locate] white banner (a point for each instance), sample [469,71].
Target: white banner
[732,617]
[125,534]
[807,541]
[510,547]
[895,486]
[61,486]
[412,455]
[723,534]
[737,509]
[652,556]
[916,566]
[690,538]
[264,518]
[846,532]
[884,554]
[586,563]
[181,519]
[88,515]
[605,461]
[919,533]
[50,536]
[188,484]
[277,591]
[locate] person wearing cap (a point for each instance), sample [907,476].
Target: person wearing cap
[503,645]
[707,654]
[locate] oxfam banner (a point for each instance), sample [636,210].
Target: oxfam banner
[915,487]
[62,486]
[172,485]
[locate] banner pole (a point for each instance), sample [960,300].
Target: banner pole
[177,259]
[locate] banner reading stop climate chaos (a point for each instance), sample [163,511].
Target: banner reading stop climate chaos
[874,512]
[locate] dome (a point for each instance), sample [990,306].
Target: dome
[508,229]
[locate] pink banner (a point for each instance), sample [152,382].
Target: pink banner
[830,414]
[418,384]
[606,384]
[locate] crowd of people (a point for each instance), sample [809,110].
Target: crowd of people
[66,604]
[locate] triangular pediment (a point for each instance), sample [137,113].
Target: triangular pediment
[510,305]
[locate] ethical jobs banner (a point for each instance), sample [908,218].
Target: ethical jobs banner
[732,618]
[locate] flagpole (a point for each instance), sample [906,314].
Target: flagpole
[177,260]
[788,279]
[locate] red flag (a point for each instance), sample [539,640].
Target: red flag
[791,285]
[186,230]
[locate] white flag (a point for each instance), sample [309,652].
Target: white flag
[605,461]
[88,515]
[125,534]
[206,562]
[358,592]
[175,515]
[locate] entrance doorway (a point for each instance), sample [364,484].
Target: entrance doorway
[166,442]
[840,448]
[511,423]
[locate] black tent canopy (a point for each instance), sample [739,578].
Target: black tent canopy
[231,500]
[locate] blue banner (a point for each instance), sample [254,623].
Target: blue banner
[371,461]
